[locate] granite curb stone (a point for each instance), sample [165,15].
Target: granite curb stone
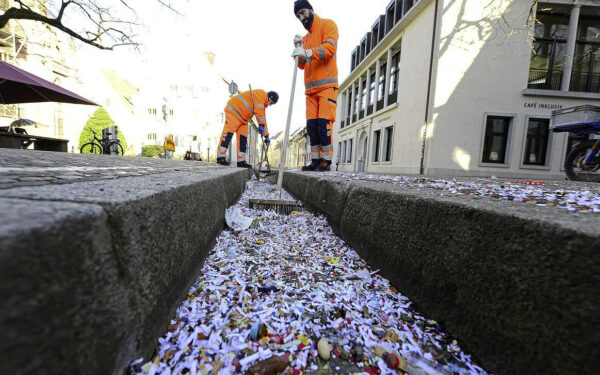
[92,271]
[518,285]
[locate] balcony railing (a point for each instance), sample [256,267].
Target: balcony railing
[585,82]
[544,79]
[393,97]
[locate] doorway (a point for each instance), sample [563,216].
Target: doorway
[362,152]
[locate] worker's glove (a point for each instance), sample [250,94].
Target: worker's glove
[306,54]
[298,41]
[267,140]
[261,129]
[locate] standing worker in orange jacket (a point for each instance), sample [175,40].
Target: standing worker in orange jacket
[318,58]
[239,110]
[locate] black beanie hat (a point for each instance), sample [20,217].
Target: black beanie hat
[273,96]
[301,4]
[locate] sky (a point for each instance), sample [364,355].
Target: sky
[253,41]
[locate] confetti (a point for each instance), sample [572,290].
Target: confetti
[287,292]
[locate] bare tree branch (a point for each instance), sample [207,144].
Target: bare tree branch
[102,30]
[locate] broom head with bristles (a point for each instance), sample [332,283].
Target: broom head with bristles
[279,206]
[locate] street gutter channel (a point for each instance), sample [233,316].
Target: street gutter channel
[288,292]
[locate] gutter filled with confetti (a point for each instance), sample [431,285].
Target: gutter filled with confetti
[287,296]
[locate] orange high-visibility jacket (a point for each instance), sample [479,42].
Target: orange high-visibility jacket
[249,104]
[169,144]
[321,72]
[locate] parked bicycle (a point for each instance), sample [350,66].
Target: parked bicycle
[102,146]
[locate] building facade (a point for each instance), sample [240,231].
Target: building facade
[467,87]
[41,50]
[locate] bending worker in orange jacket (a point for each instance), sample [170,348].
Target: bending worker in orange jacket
[318,58]
[239,110]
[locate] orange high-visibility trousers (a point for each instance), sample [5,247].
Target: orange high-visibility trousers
[321,109]
[233,124]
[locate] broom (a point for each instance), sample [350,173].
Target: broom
[278,205]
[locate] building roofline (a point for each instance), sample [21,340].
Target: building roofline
[384,44]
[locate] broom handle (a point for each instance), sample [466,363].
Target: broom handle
[287,131]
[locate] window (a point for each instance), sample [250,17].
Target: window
[353,60]
[365,46]
[398,11]
[395,73]
[407,5]
[388,137]
[549,48]
[375,34]
[382,83]
[152,136]
[151,111]
[536,142]
[349,151]
[586,61]
[363,101]
[496,139]
[171,112]
[381,27]
[376,141]
[389,17]
[372,90]
[349,106]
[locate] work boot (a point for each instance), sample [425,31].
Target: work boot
[323,168]
[309,168]
[222,161]
[243,164]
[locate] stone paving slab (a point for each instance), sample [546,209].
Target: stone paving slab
[35,168]
[518,284]
[96,253]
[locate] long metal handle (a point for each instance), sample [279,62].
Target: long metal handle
[287,131]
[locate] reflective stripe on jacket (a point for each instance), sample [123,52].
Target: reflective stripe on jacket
[249,104]
[321,72]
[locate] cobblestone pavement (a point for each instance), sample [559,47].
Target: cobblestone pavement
[35,168]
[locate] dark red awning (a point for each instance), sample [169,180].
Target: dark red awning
[19,86]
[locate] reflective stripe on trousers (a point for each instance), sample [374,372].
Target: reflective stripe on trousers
[327,152]
[321,82]
[315,152]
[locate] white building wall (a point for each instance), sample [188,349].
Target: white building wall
[478,70]
[407,114]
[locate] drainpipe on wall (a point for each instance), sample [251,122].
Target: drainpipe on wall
[366,152]
[435,17]
[355,146]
